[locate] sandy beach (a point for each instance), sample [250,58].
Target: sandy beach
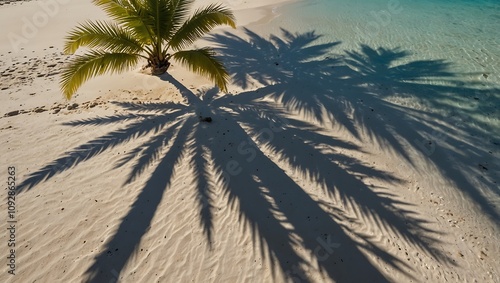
[318,165]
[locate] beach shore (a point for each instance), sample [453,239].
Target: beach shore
[304,175]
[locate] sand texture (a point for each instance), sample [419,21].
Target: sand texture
[315,167]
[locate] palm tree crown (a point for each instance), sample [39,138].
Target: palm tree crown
[146,29]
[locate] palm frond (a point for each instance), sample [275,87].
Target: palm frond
[119,10]
[180,9]
[94,63]
[128,13]
[102,35]
[203,21]
[203,62]
[158,17]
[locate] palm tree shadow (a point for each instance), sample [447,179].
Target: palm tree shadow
[453,137]
[259,151]
[353,91]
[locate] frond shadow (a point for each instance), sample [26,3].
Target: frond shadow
[361,92]
[260,152]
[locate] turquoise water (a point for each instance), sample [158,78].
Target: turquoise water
[465,33]
[458,40]
[437,62]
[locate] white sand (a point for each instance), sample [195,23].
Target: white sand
[312,204]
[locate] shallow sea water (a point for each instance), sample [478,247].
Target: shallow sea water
[461,38]
[438,60]
[463,32]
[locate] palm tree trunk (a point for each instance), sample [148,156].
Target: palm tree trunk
[159,68]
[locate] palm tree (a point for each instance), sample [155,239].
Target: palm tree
[146,29]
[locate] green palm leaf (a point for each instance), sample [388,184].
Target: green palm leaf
[130,14]
[102,35]
[203,21]
[94,63]
[159,16]
[180,13]
[120,10]
[203,62]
